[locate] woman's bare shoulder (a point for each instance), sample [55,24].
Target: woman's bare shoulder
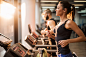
[70,22]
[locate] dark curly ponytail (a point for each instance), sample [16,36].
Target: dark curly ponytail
[73,11]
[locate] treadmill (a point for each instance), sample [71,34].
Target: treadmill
[16,50]
[35,45]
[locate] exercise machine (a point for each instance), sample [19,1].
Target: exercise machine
[16,50]
[38,43]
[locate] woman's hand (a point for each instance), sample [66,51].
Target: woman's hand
[43,31]
[63,43]
[48,33]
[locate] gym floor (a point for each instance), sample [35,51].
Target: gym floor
[78,48]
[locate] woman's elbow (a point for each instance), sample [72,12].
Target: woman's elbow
[42,32]
[83,38]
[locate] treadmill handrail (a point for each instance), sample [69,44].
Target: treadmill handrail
[47,50]
[45,45]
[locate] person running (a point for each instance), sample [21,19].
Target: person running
[64,28]
[50,24]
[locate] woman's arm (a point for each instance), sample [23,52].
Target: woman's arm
[50,35]
[50,32]
[43,31]
[72,25]
[51,24]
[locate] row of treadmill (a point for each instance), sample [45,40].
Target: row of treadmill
[37,42]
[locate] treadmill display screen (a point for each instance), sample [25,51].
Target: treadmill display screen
[19,51]
[15,48]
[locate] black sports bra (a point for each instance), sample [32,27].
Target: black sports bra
[63,34]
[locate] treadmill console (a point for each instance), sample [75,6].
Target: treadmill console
[5,39]
[17,50]
[32,33]
[31,40]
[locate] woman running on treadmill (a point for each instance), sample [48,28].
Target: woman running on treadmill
[50,23]
[64,28]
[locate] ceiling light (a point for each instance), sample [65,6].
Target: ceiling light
[49,1]
[51,5]
[76,7]
[79,1]
[48,7]
[78,4]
